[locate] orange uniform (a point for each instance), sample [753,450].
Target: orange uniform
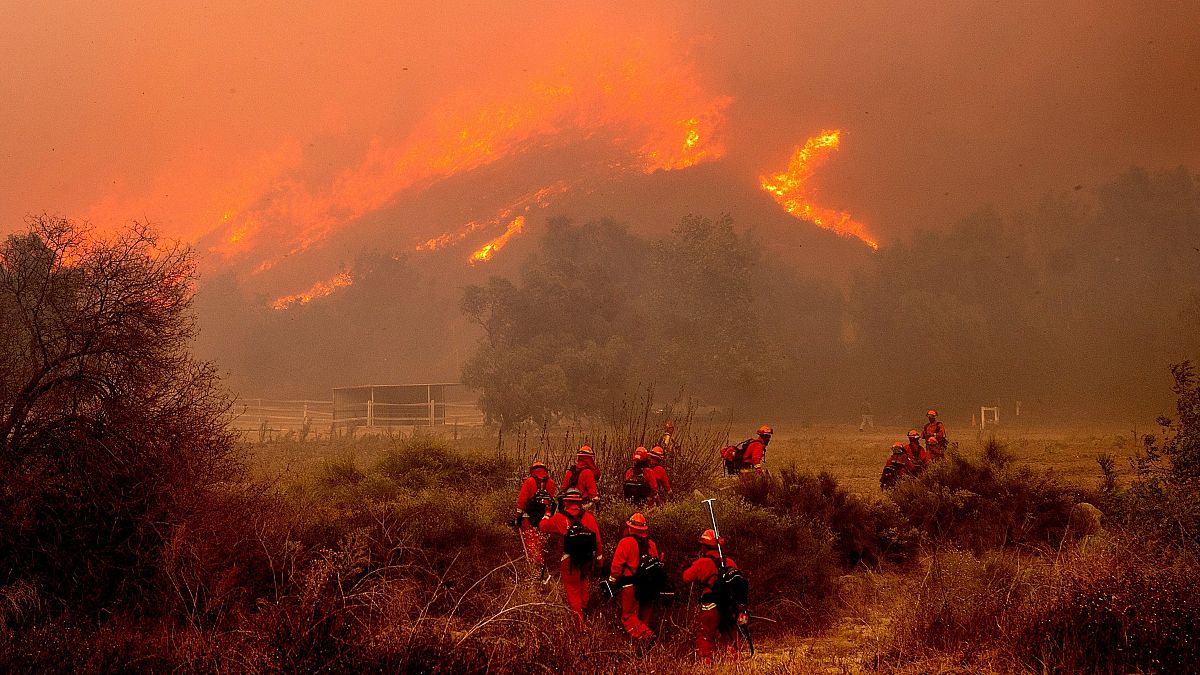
[574,578]
[634,617]
[531,537]
[664,483]
[582,477]
[756,450]
[917,453]
[651,480]
[704,572]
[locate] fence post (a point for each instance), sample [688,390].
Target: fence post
[370,414]
[432,408]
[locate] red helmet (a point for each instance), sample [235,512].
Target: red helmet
[640,454]
[538,464]
[710,539]
[931,413]
[657,452]
[765,430]
[572,495]
[637,522]
[914,434]
[669,426]
[897,448]
[585,451]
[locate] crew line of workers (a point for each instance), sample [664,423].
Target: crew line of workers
[909,460]
[636,574]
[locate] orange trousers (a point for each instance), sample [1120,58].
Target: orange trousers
[707,633]
[634,617]
[575,585]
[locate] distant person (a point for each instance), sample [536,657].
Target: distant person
[535,502]
[917,454]
[582,549]
[722,597]
[667,440]
[937,431]
[868,417]
[657,456]
[638,575]
[641,485]
[582,477]
[898,466]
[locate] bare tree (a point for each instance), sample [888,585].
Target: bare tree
[110,432]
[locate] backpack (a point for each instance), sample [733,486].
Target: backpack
[889,477]
[650,578]
[636,487]
[574,472]
[731,592]
[579,543]
[735,456]
[540,504]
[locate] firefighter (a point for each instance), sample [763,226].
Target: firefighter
[898,466]
[641,485]
[756,452]
[534,502]
[636,553]
[934,434]
[666,441]
[582,549]
[917,454]
[582,477]
[657,455]
[710,624]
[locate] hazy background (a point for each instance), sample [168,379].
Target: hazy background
[294,141]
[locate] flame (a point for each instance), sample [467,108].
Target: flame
[540,198]
[485,253]
[646,104]
[790,189]
[318,290]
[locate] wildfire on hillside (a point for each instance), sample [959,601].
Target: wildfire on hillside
[540,198]
[317,290]
[489,249]
[791,190]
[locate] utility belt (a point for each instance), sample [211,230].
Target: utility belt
[708,598]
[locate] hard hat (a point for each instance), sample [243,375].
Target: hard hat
[913,433]
[640,454]
[710,539]
[538,464]
[585,451]
[658,452]
[637,522]
[897,448]
[931,413]
[572,495]
[765,430]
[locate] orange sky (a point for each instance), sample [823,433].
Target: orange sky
[190,114]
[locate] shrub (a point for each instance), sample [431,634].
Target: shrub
[986,503]
[867,532]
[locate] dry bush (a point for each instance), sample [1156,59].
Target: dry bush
[1113,609]
[867,532]
[986,503]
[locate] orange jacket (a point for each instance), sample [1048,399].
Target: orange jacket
[660,477]
[627,556]
[916,452]
[529,487]
[901,463]
[704,571]
[651,479]
[936,430]
[587,480]
[755,452]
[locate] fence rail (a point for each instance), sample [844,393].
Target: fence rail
[322,418]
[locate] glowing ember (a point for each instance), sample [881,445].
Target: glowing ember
[318,290]
[790,189]
[488,249]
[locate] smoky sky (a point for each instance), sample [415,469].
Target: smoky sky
[165,111]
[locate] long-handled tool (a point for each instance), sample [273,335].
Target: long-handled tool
[744,629]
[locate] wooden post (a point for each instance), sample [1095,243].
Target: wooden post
[371,412]
[432,409]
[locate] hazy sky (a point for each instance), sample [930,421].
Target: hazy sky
[187,113]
